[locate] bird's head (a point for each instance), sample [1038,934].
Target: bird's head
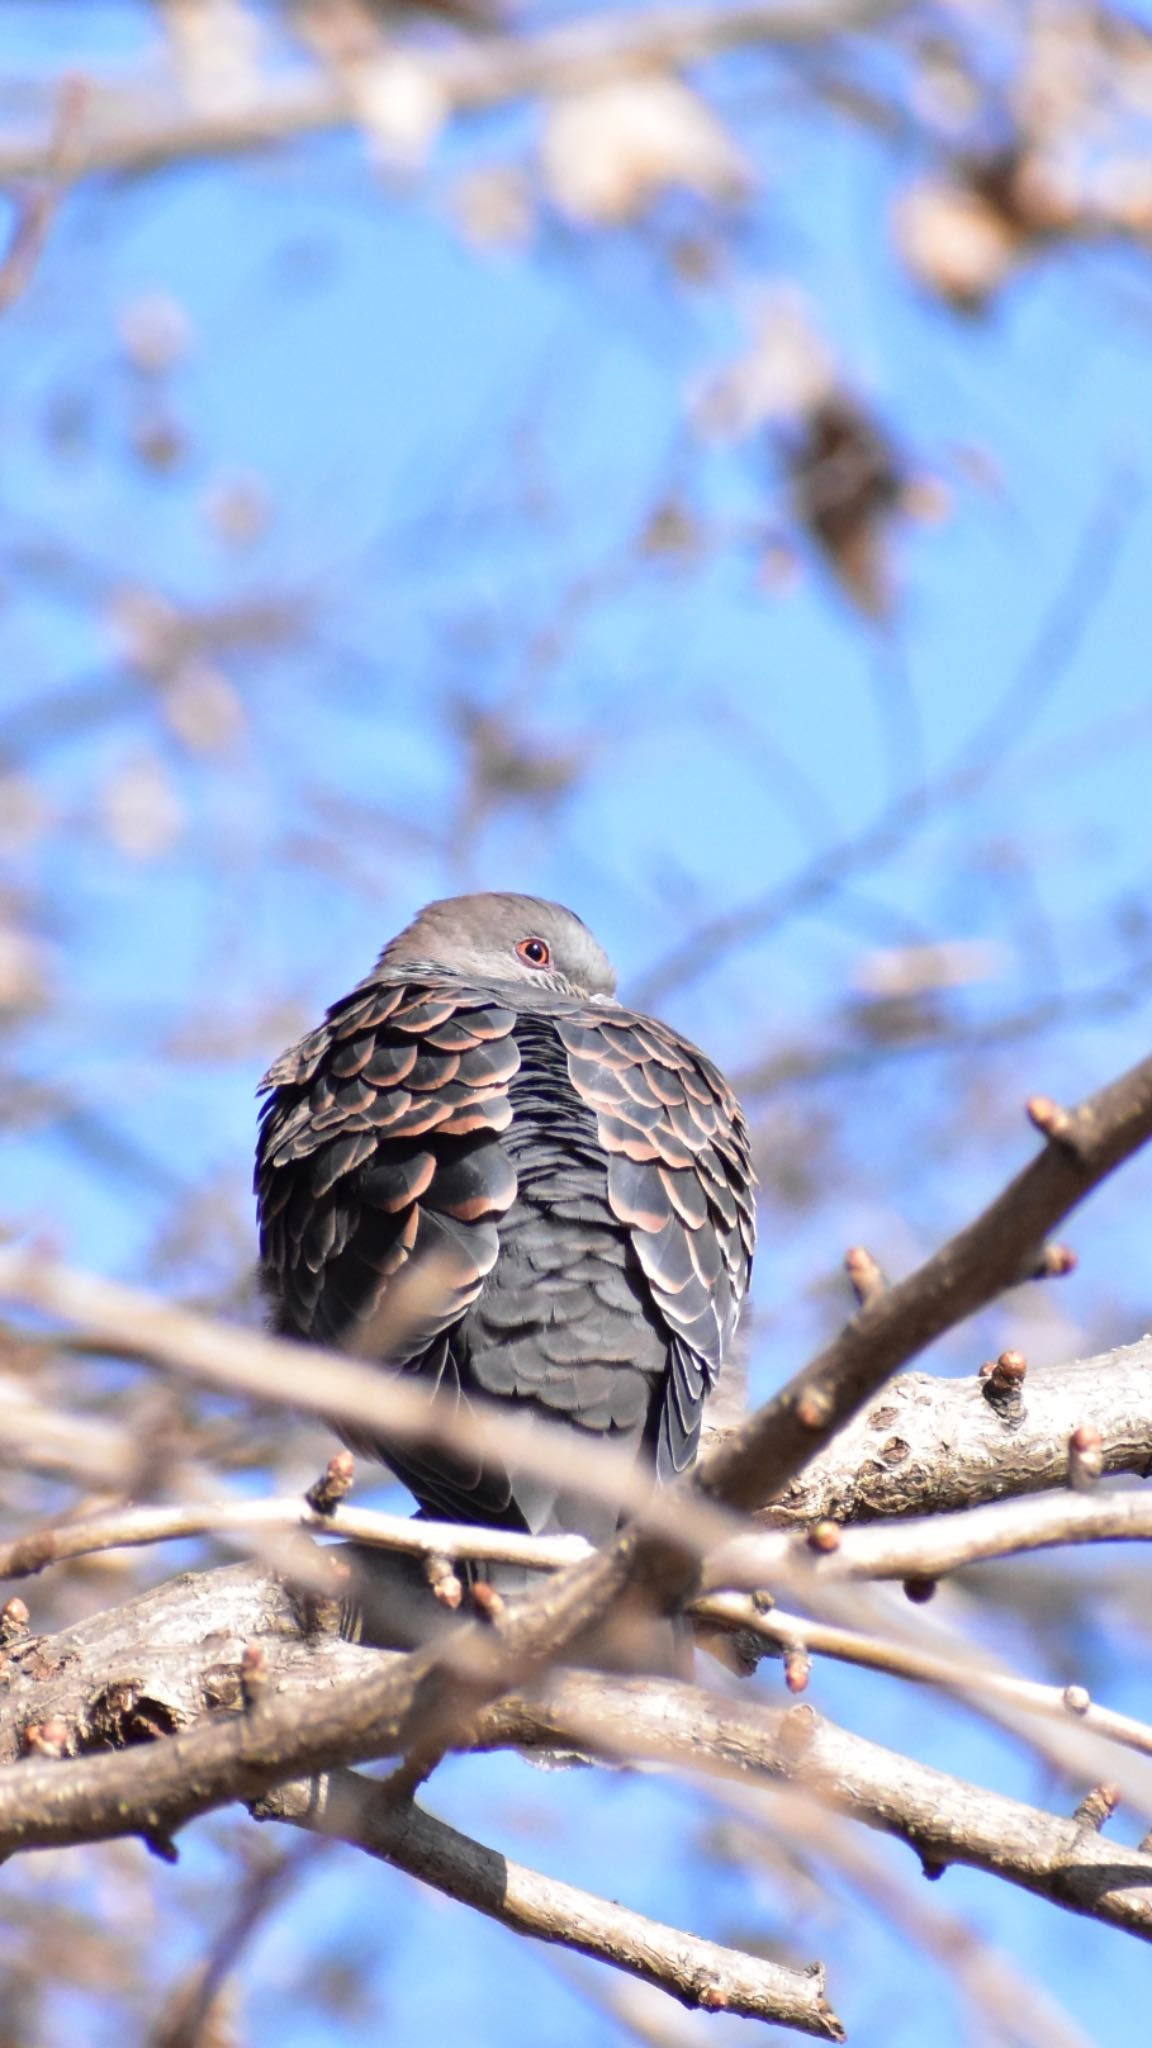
[496,937]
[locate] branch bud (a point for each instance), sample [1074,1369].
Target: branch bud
[334,1484]
[1085,1457]
[1099,1806]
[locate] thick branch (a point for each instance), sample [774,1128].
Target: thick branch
[399,1705]
[401,1600]
[173,1656]
[943,1818]
[168,1659]
[931,1446]
[758,1460]
[695,1971]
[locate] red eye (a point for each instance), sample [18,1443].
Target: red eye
[534,952]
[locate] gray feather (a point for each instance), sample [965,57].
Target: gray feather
[580,1176]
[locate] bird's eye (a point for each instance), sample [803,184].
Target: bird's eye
[533,952]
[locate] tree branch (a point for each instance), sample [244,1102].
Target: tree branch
[754,1464]
[171,1660]
[129,1323]
[698,1973]
[943,1818]
[755,1460]
[410,1706]
[927,1549]
[408,1535]
[929,1445]
[125,127]
[909,1552]
[940,1544]
[969,1674]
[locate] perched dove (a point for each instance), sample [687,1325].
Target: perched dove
[576,1177]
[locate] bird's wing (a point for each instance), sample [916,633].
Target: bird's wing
[680,1180]
[379,1151]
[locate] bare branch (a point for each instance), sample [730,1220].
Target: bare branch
[758,1460]
[126,128]
[944,1819]
[696,1972]
[131,1324]
[415,1703]
[928,1444]
[328,1701]
[124,1528]
[940,1544]
[934,1445]
[750,1465]
[969,1674]
[927,1549]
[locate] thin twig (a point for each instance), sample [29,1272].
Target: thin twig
[131,1324]
[929,1549]
[940,1544]
[971,1674]
[124,1528]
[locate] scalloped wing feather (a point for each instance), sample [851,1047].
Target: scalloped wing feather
[680,1180]
[379,1149]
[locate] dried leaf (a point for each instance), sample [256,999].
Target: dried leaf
[140,808]
[954,242]
[400,105]
[610,150]
[155,333]
[786,371]
[202,707]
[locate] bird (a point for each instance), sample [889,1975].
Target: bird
[575,1178]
